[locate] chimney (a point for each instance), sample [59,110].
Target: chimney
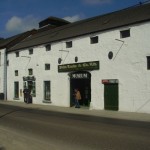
[53,21]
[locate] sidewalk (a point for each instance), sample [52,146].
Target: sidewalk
[84,111]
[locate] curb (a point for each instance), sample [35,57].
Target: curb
[132,116]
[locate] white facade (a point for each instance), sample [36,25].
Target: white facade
[3,69]
[128,66]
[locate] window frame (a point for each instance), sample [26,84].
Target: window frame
[47,66]
[7,62]
[125,33]
[48,47]
[148,62]
[69,44]
[16,73]
[30,51]
[48,99]
[16,90]
[30,71]
[94,40]
[17,54]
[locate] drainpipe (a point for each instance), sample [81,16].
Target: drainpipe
[5,75]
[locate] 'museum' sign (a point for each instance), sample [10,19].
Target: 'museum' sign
[93,65]
[80,76]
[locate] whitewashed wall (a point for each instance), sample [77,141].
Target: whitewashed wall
[2,71]
[129,66]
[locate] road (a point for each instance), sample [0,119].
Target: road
[33,129]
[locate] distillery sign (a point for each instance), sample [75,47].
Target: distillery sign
[92,65]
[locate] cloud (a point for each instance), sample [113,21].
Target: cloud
[97,2]
[18,25]
[73,18]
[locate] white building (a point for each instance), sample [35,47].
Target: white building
[107,57]
[5,44]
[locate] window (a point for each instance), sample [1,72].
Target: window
[94,40]
[31,51]
[17,54]
[7,62]
[48,47]
[16,89]
[47,90]
[125,33]
[148,62]
[16,72]
[69,44]
[33,89]
[30,71]
[47,66]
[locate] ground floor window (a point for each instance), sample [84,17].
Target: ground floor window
[148,62]
[16,89]
[47,90]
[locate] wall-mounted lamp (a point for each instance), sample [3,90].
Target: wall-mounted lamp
[110,55]
[76,59]
[59,60]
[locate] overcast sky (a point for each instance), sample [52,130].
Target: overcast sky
[17,16]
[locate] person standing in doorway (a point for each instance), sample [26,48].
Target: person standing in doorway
[28,96]
[77,98]
[25,94]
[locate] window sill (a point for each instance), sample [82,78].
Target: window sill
[47,101]
[16,98]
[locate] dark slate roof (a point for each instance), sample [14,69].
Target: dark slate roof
[10,42]
[5,42]
[112,20]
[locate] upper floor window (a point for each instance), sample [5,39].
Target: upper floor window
[148,62]
[30,71]
[47,66]
[125,33]
[48,47]
[69,44]
[7,62]
[30,51]
[16,72]
[94,39]
[17,54]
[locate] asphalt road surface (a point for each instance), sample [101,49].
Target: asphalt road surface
[30,129]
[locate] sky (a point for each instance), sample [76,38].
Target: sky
[18,16]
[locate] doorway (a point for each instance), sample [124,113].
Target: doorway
[111,96]
[31,87]
[81,81]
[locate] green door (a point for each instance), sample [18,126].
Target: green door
[111,96]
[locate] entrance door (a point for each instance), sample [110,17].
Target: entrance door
[31,87]
[111,96]
[81,81]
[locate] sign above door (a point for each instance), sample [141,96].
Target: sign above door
[92,65]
